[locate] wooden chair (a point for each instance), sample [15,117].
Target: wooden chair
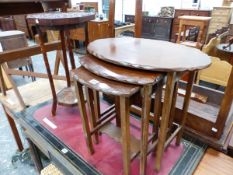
[199,21]
[18,98]
[219,71]
[15,39]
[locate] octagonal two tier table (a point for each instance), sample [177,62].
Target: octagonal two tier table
[62,22]
[158,56]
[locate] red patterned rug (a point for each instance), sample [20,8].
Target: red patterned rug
[107,159]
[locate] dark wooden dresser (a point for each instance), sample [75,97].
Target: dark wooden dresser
[181,12]
[154,27]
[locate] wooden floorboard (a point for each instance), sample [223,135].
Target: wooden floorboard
[215,163]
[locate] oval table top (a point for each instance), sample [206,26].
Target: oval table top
[149,54]
[60,18]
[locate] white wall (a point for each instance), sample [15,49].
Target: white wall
[153,6]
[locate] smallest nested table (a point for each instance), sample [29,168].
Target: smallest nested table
[63,22]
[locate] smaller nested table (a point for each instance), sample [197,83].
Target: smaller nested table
[63,22]
[199,21]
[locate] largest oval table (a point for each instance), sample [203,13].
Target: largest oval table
[159,56]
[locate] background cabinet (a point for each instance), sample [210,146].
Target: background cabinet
[154,27]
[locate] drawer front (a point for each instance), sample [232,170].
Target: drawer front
[163,21]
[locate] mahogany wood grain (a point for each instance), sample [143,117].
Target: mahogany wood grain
[146,103]
[119,73]
[82,109]
[46,62]
[165,118]
[226,103]
[102,84]
[148,54]
[28,51]
[91,110]
[186,105]
[14,131]
[138,19]
[60,19]
[124,113]
[111,17]
[124,92]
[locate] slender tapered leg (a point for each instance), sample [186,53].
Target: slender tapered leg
[14,131]
[83,113]
[71,54]
[173,107]
[157,109]
[90,100]
[63,44]
[117,107]
[146,97]
[124,111]
[45,57]
[186,105]
[165,118]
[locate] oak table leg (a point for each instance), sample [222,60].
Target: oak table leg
[171,76]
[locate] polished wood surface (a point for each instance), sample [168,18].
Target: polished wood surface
[60,18]
[7,7]
[102,84]
[148,54]
[118,73]
[215,163]
[124,92]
